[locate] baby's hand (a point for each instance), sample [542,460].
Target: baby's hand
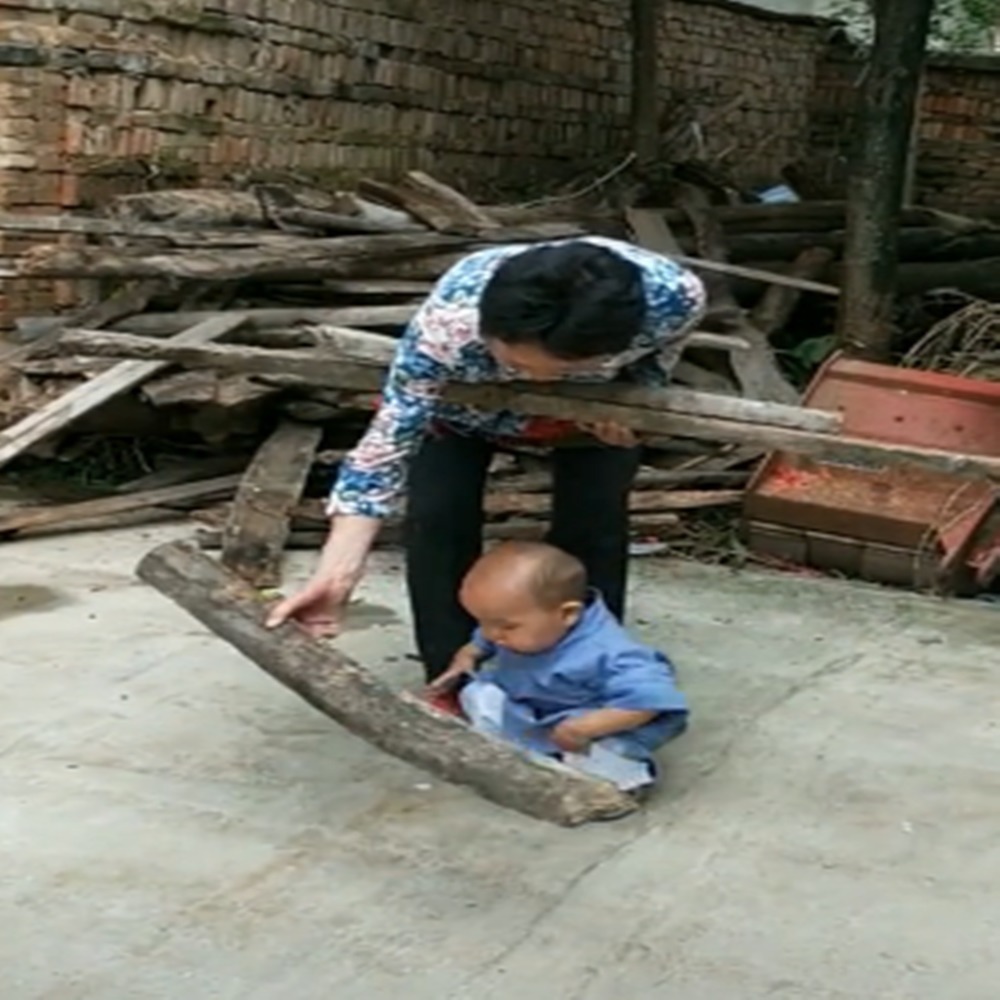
[572,735]
[464,662]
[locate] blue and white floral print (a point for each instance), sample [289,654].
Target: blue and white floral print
[442,344]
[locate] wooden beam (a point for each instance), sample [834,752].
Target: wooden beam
[124,302]
[641,501]
[260,520]
[166,324]
[346,692]
[521,529]
[778,303]
[66,515]
[353,360]
[650,230]
[757,370]
[572,403]
[436,204]
[61,412]
[755,274]
[84,225]
[818,215]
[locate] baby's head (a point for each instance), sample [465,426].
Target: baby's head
[525,595]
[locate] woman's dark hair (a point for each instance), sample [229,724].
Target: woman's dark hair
[575,300]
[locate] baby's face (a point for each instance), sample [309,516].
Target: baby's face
[516,622]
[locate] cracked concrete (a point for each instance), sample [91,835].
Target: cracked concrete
[174,824]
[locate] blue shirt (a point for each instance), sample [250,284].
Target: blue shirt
[597,664]
[442,344]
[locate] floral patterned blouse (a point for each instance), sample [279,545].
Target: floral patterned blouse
[442,344]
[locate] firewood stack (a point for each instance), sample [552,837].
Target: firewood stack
[256,326]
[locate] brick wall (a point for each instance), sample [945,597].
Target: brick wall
[103,96]
[957,166]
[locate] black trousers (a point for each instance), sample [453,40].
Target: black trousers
[444,529]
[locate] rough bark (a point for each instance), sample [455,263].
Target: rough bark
[644,30]
[878,177]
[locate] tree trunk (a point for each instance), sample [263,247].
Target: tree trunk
[878,176]
[645,81]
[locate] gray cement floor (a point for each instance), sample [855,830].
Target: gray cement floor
[175,825]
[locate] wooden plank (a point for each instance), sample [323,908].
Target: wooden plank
[282,208]
[650,230]
[517,530]
[646,479]
[376,287]
[261,516]
[642,501]
[34,519]
[754,274]
[84,225]
[822,445]
[398,724]
[221,391]
[778,303]
[281,258]
[348,356]
[124,302]
[188,470]
[822,216]
[61,412]
[439,206]
[757,370]
[166,324]
[566,402]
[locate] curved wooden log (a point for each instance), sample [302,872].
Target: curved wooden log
[346,692]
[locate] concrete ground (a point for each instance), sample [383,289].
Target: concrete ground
[174,825]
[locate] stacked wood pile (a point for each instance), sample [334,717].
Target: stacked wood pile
[256,327]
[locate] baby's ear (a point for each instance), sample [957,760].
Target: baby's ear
[571,612]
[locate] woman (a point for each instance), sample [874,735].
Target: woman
[581,310]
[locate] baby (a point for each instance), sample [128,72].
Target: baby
[564,678]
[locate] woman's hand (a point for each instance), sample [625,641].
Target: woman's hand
[319,606]
[610,433]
